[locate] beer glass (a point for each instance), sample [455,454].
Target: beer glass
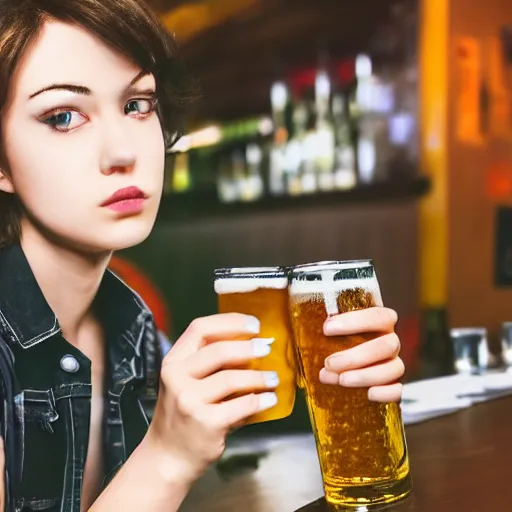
[263,293]
[361,444]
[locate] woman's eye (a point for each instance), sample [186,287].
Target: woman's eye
[140,108]
[65,120]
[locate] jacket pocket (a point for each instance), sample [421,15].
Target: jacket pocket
[35,415]
[39,408]
[49,505]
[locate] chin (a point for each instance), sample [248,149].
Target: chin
[128,236]
[122,235]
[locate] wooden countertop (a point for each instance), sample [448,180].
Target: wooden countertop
[459,462]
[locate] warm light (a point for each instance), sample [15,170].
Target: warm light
[499,181]
[279,96]
[188,21]
[208,136]
[322,85]
[363,66]
[265,126]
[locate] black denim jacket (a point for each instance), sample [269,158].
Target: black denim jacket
[53,384]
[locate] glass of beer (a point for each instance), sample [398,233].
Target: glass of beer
[361,444]
[263,293]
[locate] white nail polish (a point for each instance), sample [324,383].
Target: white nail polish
[271,379]
[260,347]
[267,400]
[267,341]
[252,324]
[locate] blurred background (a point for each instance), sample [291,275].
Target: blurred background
[342,129]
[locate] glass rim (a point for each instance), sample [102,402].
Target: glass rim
[250,272]
[331,265]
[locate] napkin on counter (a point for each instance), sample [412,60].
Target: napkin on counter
[431,398]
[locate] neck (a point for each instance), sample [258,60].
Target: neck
[68,279]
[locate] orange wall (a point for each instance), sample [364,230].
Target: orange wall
[473,297]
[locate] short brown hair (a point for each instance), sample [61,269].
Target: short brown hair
[128,26]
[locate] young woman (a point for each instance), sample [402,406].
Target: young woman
[91,91]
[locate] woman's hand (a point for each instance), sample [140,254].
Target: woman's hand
[374,364]
[196,408]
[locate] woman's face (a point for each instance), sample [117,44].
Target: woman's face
[80,126]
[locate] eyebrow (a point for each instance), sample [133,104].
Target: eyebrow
[85,91]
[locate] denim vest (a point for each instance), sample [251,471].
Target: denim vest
[53,384]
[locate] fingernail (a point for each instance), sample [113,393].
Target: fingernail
[335,363]
[327,377]
[252,324]
[372,396]
[271,379]
[261,346]
[267,341]
[330,323]
[267,400]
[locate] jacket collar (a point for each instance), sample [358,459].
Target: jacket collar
[27,320]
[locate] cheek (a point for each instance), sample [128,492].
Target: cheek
[45,175]
[39,164]
[50,181]
[152,151]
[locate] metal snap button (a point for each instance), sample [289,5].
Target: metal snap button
[69,364]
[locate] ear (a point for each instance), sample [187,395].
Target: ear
[5,183]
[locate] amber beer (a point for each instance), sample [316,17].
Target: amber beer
[361,444]
[263,293]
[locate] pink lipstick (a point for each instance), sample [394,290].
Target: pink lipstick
[128,200]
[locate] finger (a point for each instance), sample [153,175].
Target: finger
[388,393]
[361,321]
[327,377]
[214,328]
[366,354]
[232,412]
[378,375]
[222,354]
[223,384]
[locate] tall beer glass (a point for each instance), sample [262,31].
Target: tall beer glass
[361,444]
[263,293]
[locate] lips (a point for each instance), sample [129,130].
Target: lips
[124,194]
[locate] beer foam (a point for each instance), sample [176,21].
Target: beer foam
[252,270]
[328,290]
[333,265]
[249,284]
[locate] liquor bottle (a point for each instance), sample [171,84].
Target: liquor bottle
[180,173]
[345,174]
[252,188]
[238,170]
[325,137]
[279,100]
[295,149]
[371,107]
[309,183]
[227,188]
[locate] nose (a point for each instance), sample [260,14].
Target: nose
[119,162]
[118,152]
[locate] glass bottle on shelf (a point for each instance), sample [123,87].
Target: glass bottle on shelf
[279,100]
[325,138]
[180,175]
[227,189]
[252,187]
[371,109]
[345,176]
[294,153]
[309,182]
[238,170]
